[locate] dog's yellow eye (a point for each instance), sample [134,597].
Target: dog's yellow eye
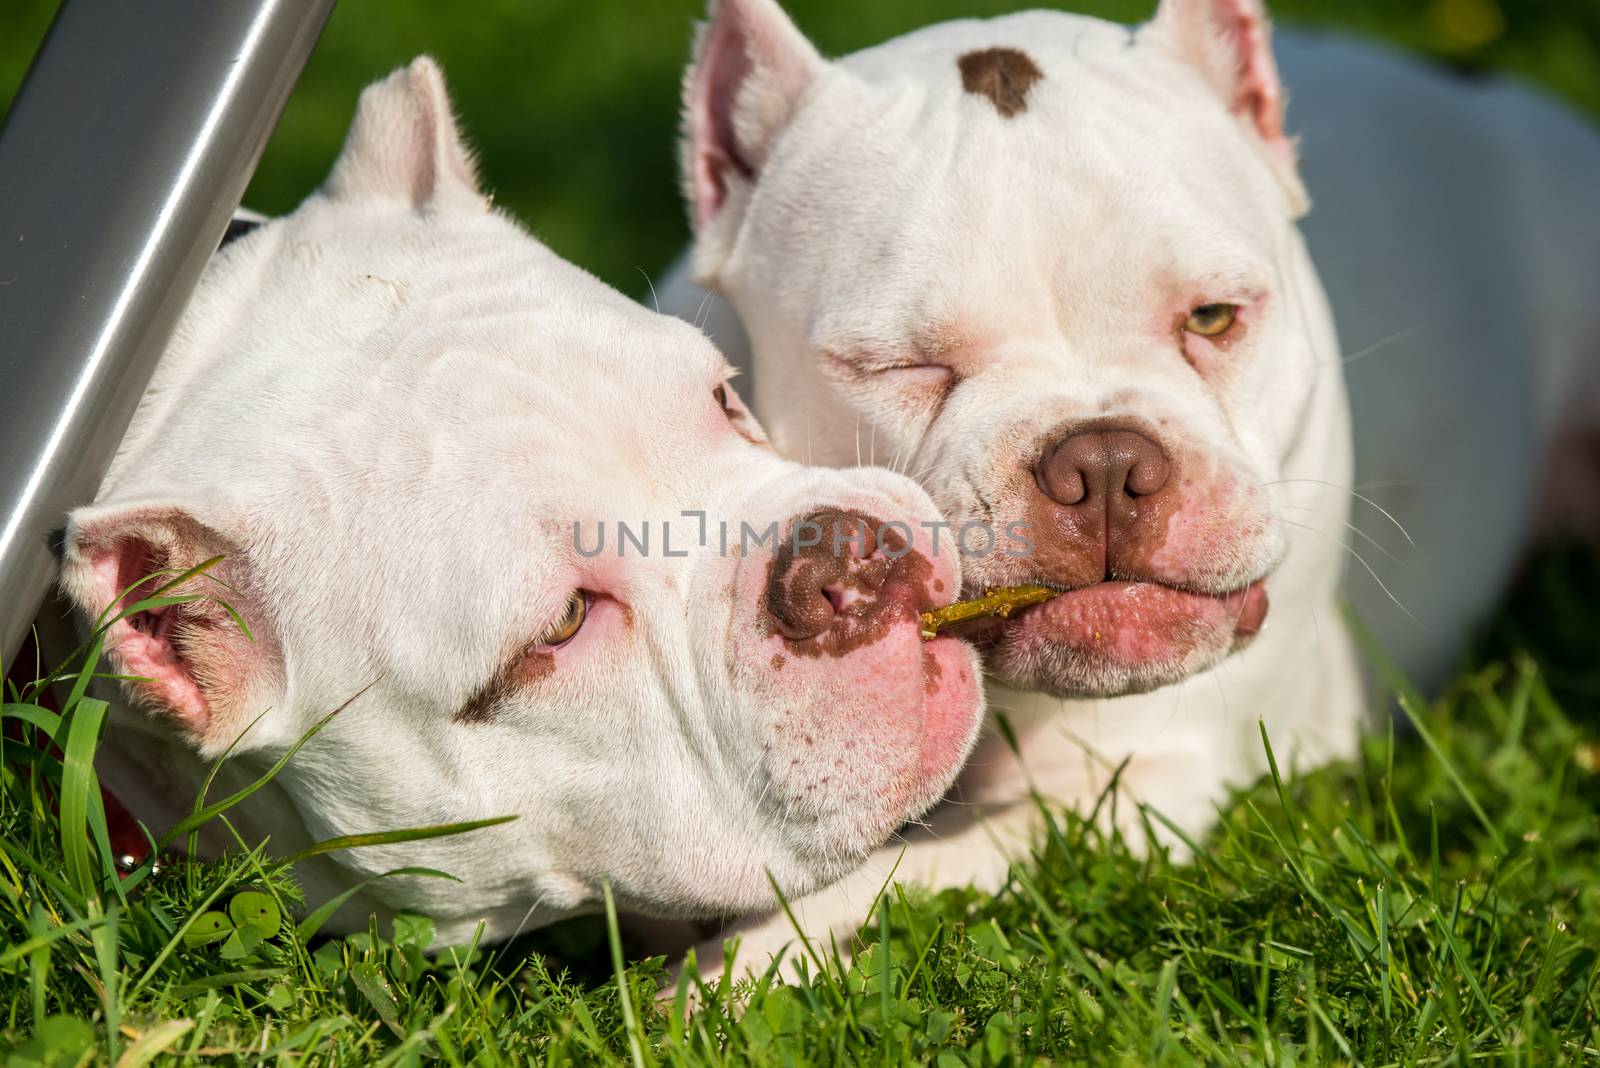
[1210,320]
[569,624]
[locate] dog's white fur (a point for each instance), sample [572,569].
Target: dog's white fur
[853,206]
[387,410]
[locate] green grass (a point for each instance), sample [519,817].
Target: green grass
[1436,902]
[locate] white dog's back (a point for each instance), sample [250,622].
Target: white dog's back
[1457,230]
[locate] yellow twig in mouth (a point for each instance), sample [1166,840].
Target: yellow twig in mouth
[1000,601]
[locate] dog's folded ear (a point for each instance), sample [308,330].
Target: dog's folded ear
[198,671]
[404,145]
[1229,41]
[751,67]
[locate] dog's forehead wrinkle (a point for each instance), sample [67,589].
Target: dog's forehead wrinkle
[920,330]
[478,361]
[1062,258]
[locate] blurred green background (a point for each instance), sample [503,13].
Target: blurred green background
[573,105]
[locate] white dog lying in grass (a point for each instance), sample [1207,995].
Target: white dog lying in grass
[1051,265]
[405,424]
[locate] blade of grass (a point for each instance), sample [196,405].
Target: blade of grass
[413,834]
[40,941]
[154,1042]
[805,943]
[309,926]
[1414,714]
[885,1002]
[193,845]
[1394,680]
[78,781]
[221,979]
[176,940]
[204,815]
[104,937]
[630,1022]
[40,718]
[1384,963]
[1277,784]
[1159,1034]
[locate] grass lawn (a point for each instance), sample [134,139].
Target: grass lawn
[1437,902]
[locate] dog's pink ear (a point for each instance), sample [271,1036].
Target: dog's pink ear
[199,671]
[1230,41]
[403,144]
[751,67]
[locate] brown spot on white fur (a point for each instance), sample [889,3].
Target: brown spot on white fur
[1004,75]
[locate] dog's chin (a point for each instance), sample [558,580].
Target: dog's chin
[1118,638]
[951,716]
[875,740]
[952,711]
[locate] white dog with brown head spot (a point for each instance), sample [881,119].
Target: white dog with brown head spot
[406,424]
[1052,266]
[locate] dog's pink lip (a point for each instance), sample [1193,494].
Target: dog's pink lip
[1251,606]
[1247,605]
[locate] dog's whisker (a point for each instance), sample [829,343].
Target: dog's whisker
[653,298]
[1357,531]
[923,472]
[1387,515]
[1379,346]
[522,924]
[1373,349]
[764,790]
[1393,482]
[750,776]
[1347,547]
[1316,621]
[703,312]
[1358,496]
[1222,691]
[1178,703]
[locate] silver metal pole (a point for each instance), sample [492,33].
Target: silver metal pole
[125,151]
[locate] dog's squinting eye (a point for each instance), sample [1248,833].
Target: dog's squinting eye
[570,623]
[1211,320]
[720,395]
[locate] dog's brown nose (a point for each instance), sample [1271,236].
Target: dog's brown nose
[1105,478]
[829,569]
